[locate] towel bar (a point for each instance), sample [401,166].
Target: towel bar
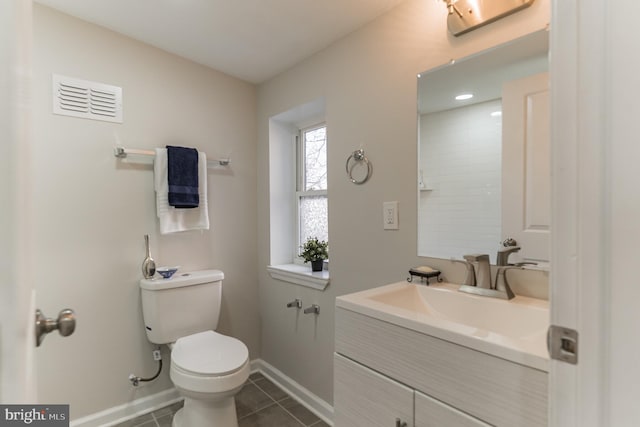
[122,153]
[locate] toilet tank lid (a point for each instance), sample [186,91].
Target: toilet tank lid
[182,279]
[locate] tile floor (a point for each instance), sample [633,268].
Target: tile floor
[260,403]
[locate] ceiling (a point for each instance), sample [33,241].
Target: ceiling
[253,40]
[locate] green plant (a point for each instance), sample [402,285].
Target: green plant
[314,250]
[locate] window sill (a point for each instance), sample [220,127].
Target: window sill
[300,275]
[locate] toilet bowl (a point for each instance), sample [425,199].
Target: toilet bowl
[208,369]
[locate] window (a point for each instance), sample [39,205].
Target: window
[297,191]
[311,187]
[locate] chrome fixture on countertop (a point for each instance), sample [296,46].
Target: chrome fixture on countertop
[502,257]
[479,263]
[510,246]
[470,278]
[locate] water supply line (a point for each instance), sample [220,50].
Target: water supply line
[135,380]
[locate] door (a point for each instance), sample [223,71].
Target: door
[595,211]
[17,341]
[526,174]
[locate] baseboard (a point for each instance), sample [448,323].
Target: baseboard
[306,398]
[127,411]
[121,413]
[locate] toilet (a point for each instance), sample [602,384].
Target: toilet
[207,368]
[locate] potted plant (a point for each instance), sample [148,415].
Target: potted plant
[315,251]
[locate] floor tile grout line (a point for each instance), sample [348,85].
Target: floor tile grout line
[258,410]
[273,401]
[292,416]
[155,419]
[278,403]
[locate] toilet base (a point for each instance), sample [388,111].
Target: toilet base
[199,413]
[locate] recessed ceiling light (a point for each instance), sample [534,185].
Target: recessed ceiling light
[464,96]
[496,113]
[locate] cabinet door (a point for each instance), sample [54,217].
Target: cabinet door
[526,166]
[364,398]
[433,413]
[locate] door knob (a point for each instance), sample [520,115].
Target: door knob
[65,324]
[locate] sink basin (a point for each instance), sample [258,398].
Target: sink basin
[514,330]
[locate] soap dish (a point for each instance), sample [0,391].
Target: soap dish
[167,272]
[424,273]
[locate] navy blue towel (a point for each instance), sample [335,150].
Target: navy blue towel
[182,174]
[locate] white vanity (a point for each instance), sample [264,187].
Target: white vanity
[411,355]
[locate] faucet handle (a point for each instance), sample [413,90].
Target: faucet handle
[470,278]
[476,257]
[509,241]
[482,267]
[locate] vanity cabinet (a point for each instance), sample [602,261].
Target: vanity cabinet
[365,398]
[381,369]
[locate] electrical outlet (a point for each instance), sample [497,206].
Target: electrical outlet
[390,215]
[157,355]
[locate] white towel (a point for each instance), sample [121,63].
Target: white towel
[171,219]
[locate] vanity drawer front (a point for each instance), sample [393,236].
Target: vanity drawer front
[431,413]
[494,390]
[364,398]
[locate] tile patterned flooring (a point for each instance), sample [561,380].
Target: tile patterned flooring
[260,403]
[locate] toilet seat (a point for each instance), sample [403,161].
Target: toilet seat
[209,354]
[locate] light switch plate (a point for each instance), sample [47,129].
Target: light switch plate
[390,215]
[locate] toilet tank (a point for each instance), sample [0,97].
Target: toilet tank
[182,305]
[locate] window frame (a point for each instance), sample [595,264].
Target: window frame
[299,193]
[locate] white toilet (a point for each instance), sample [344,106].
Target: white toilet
[207,368]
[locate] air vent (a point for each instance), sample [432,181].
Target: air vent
[85,99]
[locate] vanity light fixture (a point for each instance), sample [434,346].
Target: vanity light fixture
[467,15]
[464,96]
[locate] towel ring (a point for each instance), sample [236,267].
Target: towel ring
[358,157]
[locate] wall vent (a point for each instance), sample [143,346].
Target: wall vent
[85,99]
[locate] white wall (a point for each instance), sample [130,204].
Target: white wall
[368,81]
[92,210]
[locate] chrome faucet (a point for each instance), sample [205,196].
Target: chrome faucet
[482,283]
[502,258]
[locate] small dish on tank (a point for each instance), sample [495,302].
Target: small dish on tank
[167,272]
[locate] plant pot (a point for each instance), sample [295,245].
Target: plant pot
[317,265]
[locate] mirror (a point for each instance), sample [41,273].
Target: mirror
[465,169]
